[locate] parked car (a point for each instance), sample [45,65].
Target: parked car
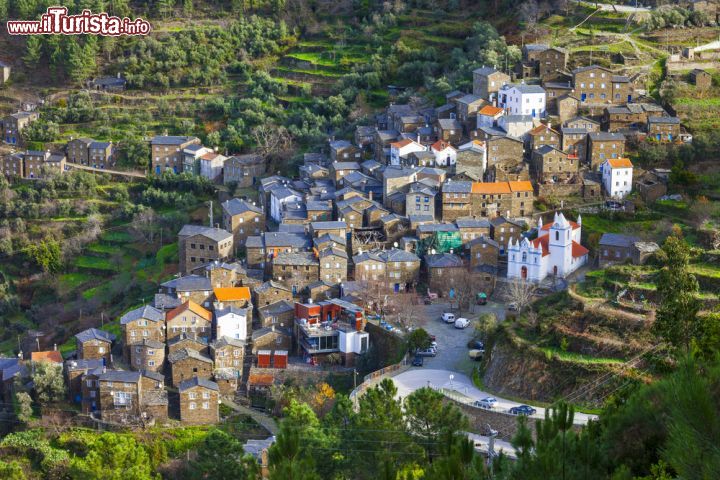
[488,402]
[462,323]
[476,354]
[433,344]
[523,410]
[481,298]
[513,307]
[448,317]
[477,344]
[428,352]
[417,361]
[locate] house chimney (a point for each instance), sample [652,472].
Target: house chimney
[104,369]
[272,327]
[55,346]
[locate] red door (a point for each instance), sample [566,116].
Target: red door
[523,273]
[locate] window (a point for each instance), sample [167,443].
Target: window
[206,394]
[206,405]
[191,406]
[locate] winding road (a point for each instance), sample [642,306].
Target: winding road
[413,379]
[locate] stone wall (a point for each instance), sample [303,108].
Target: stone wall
[559,189]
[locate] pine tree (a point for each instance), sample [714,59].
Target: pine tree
[33,51]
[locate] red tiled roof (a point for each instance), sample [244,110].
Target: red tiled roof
[542,242]
[260,379]
[521,186]
[440,146]
[578,250]
[401,143]
[490,187]
[490,110]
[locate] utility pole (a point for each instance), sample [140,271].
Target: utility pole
[210,213]
[102,319]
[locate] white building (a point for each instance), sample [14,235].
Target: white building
[403,148]
[279,197]
[445,154]
[521,99]
[516,125]
[617,175]
[556,251]
[488,116]
[231,322]
[211,165]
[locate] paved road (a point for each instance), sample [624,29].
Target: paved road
[482,443]
[415,378]
[620,8]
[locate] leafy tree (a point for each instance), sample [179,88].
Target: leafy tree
[418,339]
[33,51]
[24,406]
[458,462]
[431,419]
[287,459]
[48,381]
[46,254]
[113,456]
[677,321]
[221,457]
[11,471]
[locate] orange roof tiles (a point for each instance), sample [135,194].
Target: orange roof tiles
[401,143]
[51,356]
[229,294]
[541,128]
[440,145]
[490,187]
[489,110]
[260,379]
[578,250]
[620,163]
[521,186]
[542,242]
[189,305]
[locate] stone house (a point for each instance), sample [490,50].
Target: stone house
[567,107]
[94,344]
[344,151]
[543,134]
[147,355]
[514,199]
[588,124]
[166,152]
[483,250]
[420,200]
[443,272]
[99,154]
[487,81]
[242,219]
[467,108]
[190,319]
[280,313]
[593,84]
[448,130]
[503,151]
[245,170]
[271,292]
[34,162]
[701,79]
[144,323]
[630,116]
[5,70]
[228,354]
[14,124]
[199,245]
[550,62]
[186,364]
[574,142]
[503,230]
[272,338]
[552,165]
[119,395]
[663,129]
[13,165]
[614,248]
[381,145]
[74,372]
[395,269]
[297,270]
[260,250]
[199,401]
[78,149]
[603,146]
[456,200]
[472,228]
[183,341]
[319,211]
[397,179]
[154,400]
[333,263]
[339,228]
[90,389]
[175,292]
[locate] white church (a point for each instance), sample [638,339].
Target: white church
[556,251]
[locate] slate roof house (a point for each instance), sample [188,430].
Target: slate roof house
[94,344]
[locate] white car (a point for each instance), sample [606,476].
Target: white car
[488,403]
[462,323]
[448,317]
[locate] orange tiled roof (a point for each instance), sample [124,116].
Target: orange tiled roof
[541,128]
[51,356]
[490,187]
[401,143]
[210,155]
[229,294]
[260,379]
[193,307]
[620,163]
[578,250]
[521,186]
[490,110]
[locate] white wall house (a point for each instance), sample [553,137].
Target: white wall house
[556,251]
[403,148]
[231,322]
[211,165]
[445,154]
[516,125]
[353,341]
[521,99]
[488,116]
[617,175]
[279,197]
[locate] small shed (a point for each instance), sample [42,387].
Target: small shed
[263,358]
[701,79]
[280,359]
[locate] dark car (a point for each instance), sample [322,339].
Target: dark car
[417,361]
[478,345]
[523,410]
